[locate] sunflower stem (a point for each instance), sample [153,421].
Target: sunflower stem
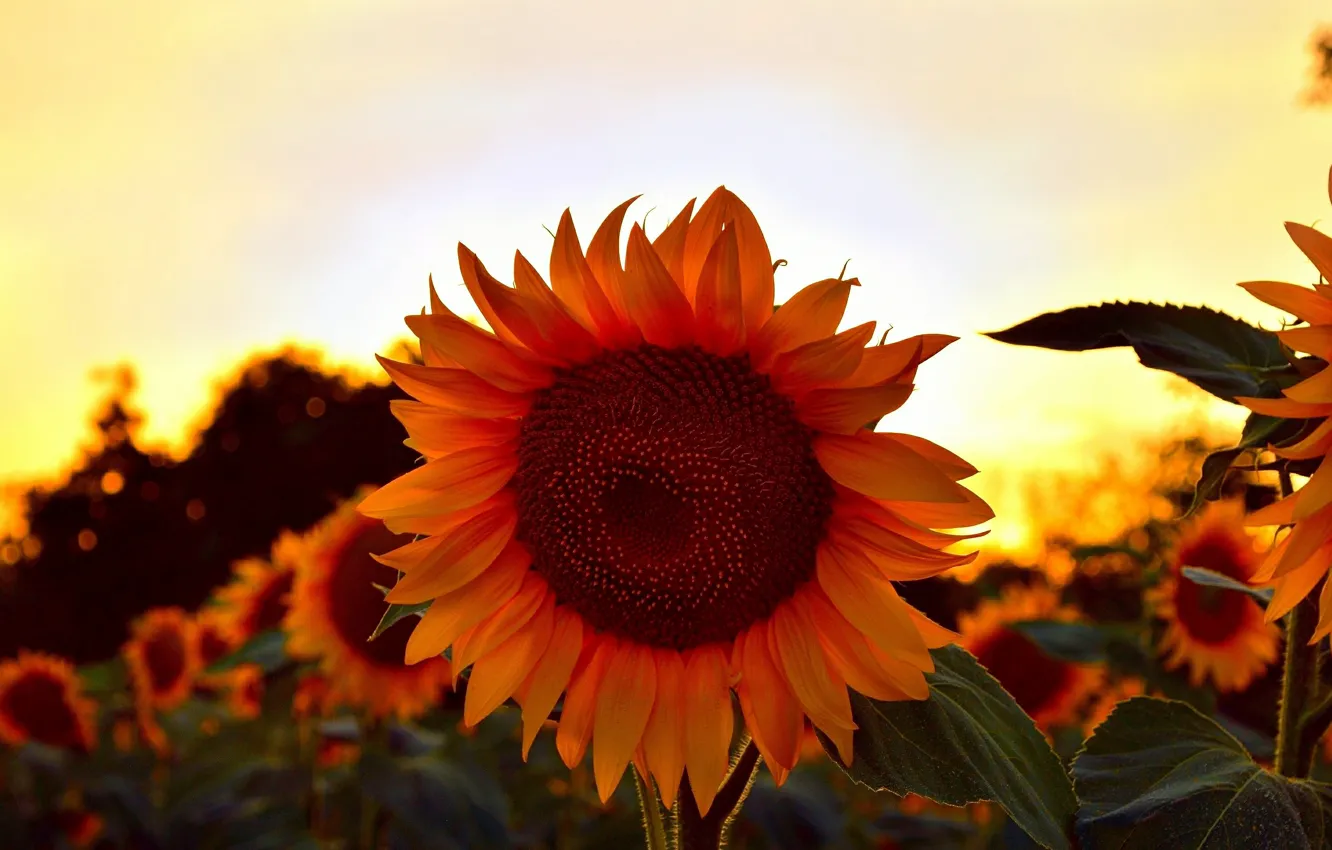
[652,822]
[1299,679]
[694,831]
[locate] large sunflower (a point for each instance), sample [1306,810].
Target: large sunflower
[1297,563]
[335,607]
[1220,634]
[255,600]
[647,488]
[41,699]
[1050,690]
[163,658]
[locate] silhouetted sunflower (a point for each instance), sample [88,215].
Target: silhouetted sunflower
[335,608]
[1050,690]
[1220,634]
[256,599]
[41,699]
[163,658]
[647,488]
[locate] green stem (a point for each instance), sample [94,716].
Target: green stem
[652,822]
[1299,684]
[694,831]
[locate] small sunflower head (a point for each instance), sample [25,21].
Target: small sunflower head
[163,657]
[41,700]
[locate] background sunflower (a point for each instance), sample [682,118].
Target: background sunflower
[41,699]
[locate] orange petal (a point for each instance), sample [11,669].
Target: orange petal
[970,512]
[851,503]
[663,739]
[1316,493]
[846,411]
[553,331]
[821,364]
[435,433]
[482,638]
[1299,301]
[707,731]
[457,390]
[896,558]
[479,282]
[896,361]
[718,302]
[460,557]
[446,484]
[480,352]
[652,298]
[880,466]
[1281,512]
[1285,408]
[1315,444]
[871,604]
[810,315]
[623,708]
[795,647]
[603,256]
[756,273]
[670,244]
[1324,626]
[1314,389]
[931,632]
[1315,339]
[1294,586]
[1315,245]
[424,550]
[575,730]
[454,613]
[497,674]
[850,654]
[953,466]
[551,674]
[772,713]
[1311,533]
[576,286]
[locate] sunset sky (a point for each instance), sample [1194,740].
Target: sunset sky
[184,183]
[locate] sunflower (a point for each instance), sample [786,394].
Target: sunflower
[1220,634]
[217,634]
[1050,690]
[335,608]
[163,658]
[647,488]
[1299,561]
[41,699]
[256,599]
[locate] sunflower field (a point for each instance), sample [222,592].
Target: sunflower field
[635,557]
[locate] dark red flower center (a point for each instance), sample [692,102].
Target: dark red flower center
[213,646]
[669,496]
[1033,678]
[355,604]
[1213,615]
[164,656]
[38,704]
[270,604]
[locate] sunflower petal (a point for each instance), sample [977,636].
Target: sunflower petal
[718,302]
[1312,339]
[871,604]
[953,466]
[1324,626]
[480,352]
[810,315]
[931,632]
[482,638]
[663,739]
[821,364]
[1317,388]
[969,513]
[461,556]
[756,272]
[497,674]
[652,298]
[1285,408]
[454,613]
[435,433]
[772,713]
[1281,512]
[456,390]
[1299,301]
[446,484]
[603,257]
[1315,245]
[551,675]
[896,558]
[670,243]
[576,286]
[1310,534]
[883,467]
[711,720]
[575,729]
[796,649]
[849,653]
[896,361]
[554,333]
[846,411]
[480,283]
[623,708]
[1295,585]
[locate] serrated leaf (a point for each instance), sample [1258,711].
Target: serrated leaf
[1216,352]
[394,613]
[267,649]
[1159,774]
[1259,431]
[969,742]
[1211,578]
[1081,643]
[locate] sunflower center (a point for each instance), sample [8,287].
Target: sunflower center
[36,703]
[1032,677]
[270,606]
[355,605]
[1213,615]
[670,497]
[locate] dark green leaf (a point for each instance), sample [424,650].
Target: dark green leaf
[266,649]
[1159,774]
[1223,355]
[1259,431]
[968,742]
[109,677]
[394,613]
[1211,578]
[1081,643]
[1214,469]
[1082,553]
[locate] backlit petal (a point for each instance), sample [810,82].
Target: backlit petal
[871,604]
[480,352]
[718,303]
[575,730]
[896,361]
[1299,301]
[880,466]
[435,433]
[446,484]
[652,298]
[796,648]
[710,722]
[576,286]
[1315,245]
[457,390]
[551,675]
[670,243]
[460,557]
[810,315]
[497,674]
[485,636]
[772,713]
[821,364]
[623,708]
[846,411]
[663,739]
[603,256]
[454,613]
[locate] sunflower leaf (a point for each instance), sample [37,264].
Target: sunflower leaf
[967,743]
[266,649]
[1216,352]
[1081,643]
[1158,773]
[1211,578]
[394,613]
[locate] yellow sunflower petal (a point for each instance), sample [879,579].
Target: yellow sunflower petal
[652,298]
[850,654]
[882,467]
[551,674]
[663,739]
[1315,444]
[710,723]
[498,673]
[1315,245]
[896,361]
[500,626]
[670,243]
[461,556]
[800,657]
[1298,301]
[454,613]
[1316,340]
[931,632]
[871,604]
[1295,585]
[576,286]
[718,303]
[480,283]
[603,256]
[435,433]
[1324,626]
[480,352]
[456,390]
[821,364]
[1317,388]
[812,314]
[1308,536]
[846,411]
[756,274]
[551,329]
[623,708]
[1316,493]
[1280,512]
[575,729]
[969,512]
[772,713]
[953,466]
[446,484]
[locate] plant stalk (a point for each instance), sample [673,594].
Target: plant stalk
[1300,688]
[648,802]
[694,831]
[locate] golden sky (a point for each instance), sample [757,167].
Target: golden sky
[182,183]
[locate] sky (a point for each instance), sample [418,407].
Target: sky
[184,184]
